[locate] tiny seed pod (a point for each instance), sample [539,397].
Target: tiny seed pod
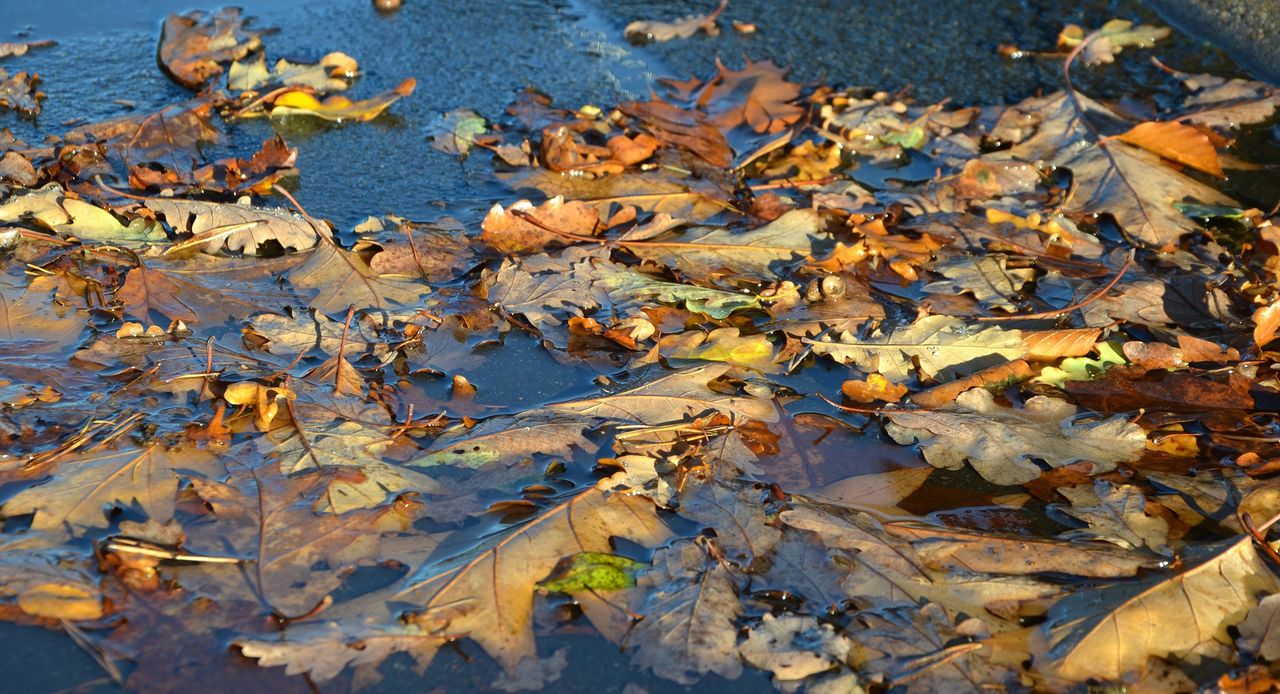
[833,286]
[813,291]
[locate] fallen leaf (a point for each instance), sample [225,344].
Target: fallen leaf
[690,602]
[236,227]
[642,31]
[194,47]
[337,107]
[1110,632]
[999,442]
[793,648]
[1177,142]
[940,344]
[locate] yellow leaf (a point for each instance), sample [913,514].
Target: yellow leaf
[60,601]
[339,108]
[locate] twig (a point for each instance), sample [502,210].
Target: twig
[1128,263]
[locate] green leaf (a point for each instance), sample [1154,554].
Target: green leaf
[1083,368]
[594,571]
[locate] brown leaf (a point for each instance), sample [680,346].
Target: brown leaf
[874,387]
[342,279]
[301,102]
[991,377]
[18,92]
[522,228]
[677,127]
[84,486]
[1177,142]
[195,46]
[494,590]
[1050,345]
[950,549]
[641,31]
[1110,632]
[145,290]
[757,95]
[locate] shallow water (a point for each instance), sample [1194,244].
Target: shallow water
[479,55]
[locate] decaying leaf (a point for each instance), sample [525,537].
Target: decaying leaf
[195,47]
[653,30]
[999,442]
[939,345]
[238,228]
[1110,632]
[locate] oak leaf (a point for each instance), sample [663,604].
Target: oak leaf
[999,442]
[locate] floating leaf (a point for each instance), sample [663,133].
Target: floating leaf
[999,442]
[942,345]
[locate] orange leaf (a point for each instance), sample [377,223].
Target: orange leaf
[1266,321]
[1048,345]
[1177,142]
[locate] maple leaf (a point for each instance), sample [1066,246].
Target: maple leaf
[757,95]
[999,442]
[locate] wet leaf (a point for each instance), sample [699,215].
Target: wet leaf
[941,345]
[1110,632]
[337,107]
[85,487]
[236,227]
[195,47]
[988,278]
[331,73]
[793,648]
[1116,513]
[653,30]
[494,607]
[1177,142]
[1000,442]
[19,92]
[593,571]
[456,131]
[705,252]
[690,602]
[671,398]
